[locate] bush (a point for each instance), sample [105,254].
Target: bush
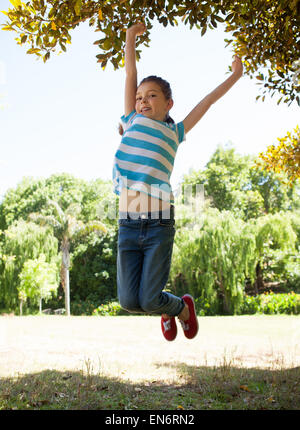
[93,270]
[110,309]
[251,305]
[206,308]
[84,307]
[272,304]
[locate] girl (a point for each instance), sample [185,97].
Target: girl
[142,168]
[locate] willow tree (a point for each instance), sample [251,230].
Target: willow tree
[263,33]
[22,241]
[274,234]
[214,260]
[38,281]
[67,226]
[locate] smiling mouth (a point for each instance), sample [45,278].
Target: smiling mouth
[145,110]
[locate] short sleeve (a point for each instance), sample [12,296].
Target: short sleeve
[125,120]
[180,132]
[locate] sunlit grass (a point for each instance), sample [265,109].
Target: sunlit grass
[124,363]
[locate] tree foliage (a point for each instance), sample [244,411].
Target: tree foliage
[66,226]
[23,241]
[217,251]
[264,33]
[93,271]
[233,182]
[216,258]
[38,281]
[283,158]
[75,217]
[31,196]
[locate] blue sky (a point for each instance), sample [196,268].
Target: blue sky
[62,116]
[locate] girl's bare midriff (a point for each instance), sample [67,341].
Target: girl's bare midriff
[137,202]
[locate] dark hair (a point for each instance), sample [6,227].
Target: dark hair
[166,89]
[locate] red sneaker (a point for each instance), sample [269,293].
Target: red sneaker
[190,326]
[169,328]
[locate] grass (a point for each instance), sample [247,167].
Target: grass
[81,363]
[223,387]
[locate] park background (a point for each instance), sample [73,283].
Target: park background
[58,138]
[238,255]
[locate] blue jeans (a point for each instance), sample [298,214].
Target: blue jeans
[143,264]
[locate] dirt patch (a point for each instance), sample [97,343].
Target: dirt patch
[133,347]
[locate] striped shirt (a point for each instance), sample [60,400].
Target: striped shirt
[145,158]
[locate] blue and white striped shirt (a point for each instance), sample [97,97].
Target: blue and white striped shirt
[145,158]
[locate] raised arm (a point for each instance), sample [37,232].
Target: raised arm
[130,66]
[197,113]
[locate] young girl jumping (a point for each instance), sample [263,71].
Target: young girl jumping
[142,169]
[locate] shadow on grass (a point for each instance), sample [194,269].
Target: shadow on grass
[203,388]
[230,387]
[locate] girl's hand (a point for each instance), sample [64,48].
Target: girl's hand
[237,66]
[137,29]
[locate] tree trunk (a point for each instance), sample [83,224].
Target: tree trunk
[40,305]
[65,246]
[226,308]
[67,294]
[222,295]
[21,307]
[259,283]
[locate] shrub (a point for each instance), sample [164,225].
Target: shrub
[109,309]
[272,304]
[93,271]
[86,306]
[206,308]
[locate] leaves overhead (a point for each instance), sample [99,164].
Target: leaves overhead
[264,33]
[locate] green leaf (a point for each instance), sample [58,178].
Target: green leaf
[212,20]
[229,17]
[33,51]
[280,74]
[106,45]
[78,6]
[218,18]
[63,47]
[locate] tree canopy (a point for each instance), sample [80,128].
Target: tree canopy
[38,281]
[285,157]
[264,33]
[249,238]
[234,182]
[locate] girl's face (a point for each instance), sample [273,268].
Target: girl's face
[151,101]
